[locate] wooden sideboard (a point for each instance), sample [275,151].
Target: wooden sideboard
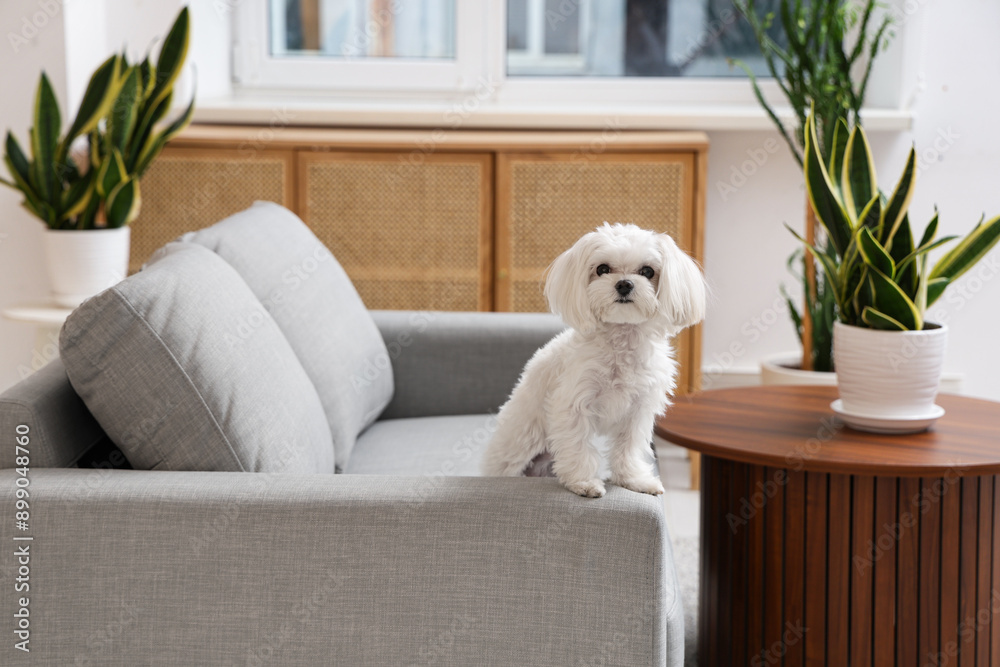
[436,219]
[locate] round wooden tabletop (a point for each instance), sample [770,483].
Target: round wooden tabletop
[794,427]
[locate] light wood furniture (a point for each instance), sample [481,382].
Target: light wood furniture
[196,186]
[409,235]
[827,546]
[441,219]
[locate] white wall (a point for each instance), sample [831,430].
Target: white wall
[958,142]
[961,64]
[69,39]
[954,50]
[31,39]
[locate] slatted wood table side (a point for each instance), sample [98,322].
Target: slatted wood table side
[827,546]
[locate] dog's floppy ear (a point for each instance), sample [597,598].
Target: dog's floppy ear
[566,282]
[681,289]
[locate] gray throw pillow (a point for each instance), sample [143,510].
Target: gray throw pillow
[185,370]
[311,298]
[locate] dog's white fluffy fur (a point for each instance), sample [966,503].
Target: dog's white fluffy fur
[624,292]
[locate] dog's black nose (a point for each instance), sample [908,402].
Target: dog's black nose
[624,287]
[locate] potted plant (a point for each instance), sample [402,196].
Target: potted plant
[816,67]
[84,185]
[888,356]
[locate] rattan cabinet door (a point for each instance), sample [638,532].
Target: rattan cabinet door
[412,230]
[548,200]
[187,189]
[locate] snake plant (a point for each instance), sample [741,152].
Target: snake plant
[816,68]
[820,55]
[881,278]
[89,177]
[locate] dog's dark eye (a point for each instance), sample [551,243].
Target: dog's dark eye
[646,272]
[602,269]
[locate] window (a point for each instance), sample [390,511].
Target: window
[623,38]
[512,54]
[542,41]
[362,29]
[358,45]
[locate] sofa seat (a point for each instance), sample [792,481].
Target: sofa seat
[423,446]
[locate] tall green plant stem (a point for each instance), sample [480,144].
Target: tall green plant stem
[816,69]
[810,274]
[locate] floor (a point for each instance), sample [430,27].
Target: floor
[682,505]
[683,511]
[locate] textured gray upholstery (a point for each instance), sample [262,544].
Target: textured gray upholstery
[317,308]
[458,363]
[180,568]
[164,364]
[60,426]
[449,445]
[403,562]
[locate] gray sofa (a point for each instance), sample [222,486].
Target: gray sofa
[304,486]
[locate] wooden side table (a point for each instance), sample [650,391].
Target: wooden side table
[827,546]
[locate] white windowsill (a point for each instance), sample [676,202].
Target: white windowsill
[294,110]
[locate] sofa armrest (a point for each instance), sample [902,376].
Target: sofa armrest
[130,567]
[452,363]
[62,427]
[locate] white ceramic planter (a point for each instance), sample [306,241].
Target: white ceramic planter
[83,263]
[783,368]
[889,374]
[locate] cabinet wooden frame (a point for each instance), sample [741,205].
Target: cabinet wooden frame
[688,233]
[494,150]
[484,211]
[170,209]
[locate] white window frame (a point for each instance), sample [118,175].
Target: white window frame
[255,68]
[414,92]
[535,54]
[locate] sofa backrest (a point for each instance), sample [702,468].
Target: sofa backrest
[59,427]
[161,364]
[458,363]
[314,303]
[298,287]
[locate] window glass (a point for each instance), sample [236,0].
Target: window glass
[626,38]
[363,28]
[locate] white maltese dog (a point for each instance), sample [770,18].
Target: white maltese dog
[624,292]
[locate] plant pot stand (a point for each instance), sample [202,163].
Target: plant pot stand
[830,546]
[48,320]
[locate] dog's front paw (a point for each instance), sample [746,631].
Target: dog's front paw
[590,488]
[650,485]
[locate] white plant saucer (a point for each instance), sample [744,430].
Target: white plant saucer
[889,425]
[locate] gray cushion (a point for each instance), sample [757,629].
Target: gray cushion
[313,301]
[423,446]
[59,427]
[185,370]
[458,363]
